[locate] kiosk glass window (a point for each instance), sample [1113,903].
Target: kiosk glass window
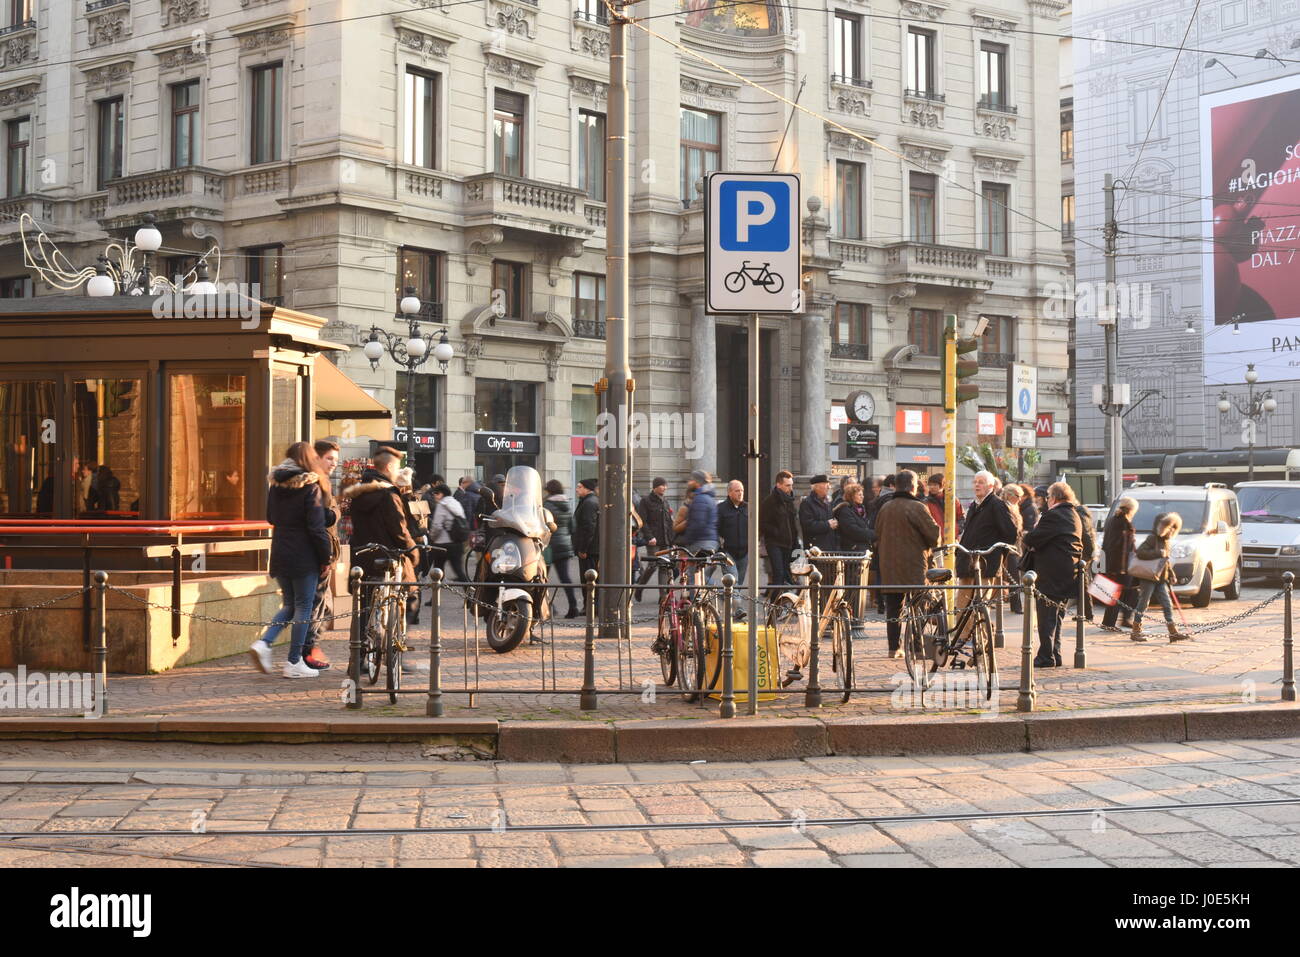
[27,407]
[206,445]
[285,411]
[108,441]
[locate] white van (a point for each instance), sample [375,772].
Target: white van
[1270,528]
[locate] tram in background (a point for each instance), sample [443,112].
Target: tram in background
[1087,476]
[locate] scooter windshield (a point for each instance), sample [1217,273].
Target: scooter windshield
[521,503]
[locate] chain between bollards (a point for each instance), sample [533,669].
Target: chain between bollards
[354,640]
[1025,700]
[587,700]
[101,642]
[1288,655]
[728,707]
[433,707]
[813,695]
[1080,656]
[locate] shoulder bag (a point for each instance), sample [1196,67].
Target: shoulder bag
[1148,569]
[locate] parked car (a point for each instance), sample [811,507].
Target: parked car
[1270,533]
[1207,552]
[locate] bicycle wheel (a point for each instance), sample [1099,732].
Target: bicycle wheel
[734,281]
[774,283]
[711,643]
[842,652]
[785,618]
[372,642]
[986,662]
[665,645]
[394,646]
[690,656]
[920,638]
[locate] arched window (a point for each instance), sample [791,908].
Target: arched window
[741,18]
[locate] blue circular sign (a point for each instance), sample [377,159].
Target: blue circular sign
[1023,401]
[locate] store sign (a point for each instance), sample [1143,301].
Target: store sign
[990,423]
[507,443]
[1021,438]
[1044,425]
[860,442]
[920,456]
[426,440]
[224,400]
[912,421]
[838,417]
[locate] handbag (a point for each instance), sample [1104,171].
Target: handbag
[1148,569]
[1105,590]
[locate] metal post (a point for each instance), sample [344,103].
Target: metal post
[101,642]
[433,707]
[410,411]
[1025,700]
[1080,656]
[1288,657]
[949,388]
[85,596]
[813,696]
[999,634]
[354,639]
[176,595]
[755,620]
[1114,427]
[587,700]
[1254,424]
[728,707]
[618,378]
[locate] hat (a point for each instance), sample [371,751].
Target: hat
[816,479]
[388,449]
[1041,491]
[701,476]
[498,478]
[405,477]
[588,483]
[658,481]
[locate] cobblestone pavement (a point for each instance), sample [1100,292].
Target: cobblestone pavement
[1228,665]
[45,794]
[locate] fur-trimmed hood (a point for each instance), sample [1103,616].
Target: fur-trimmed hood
[290,475]
[1168,525]
[372,480]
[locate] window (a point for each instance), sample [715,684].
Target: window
[589,304]
[28,468]
[1143,110]
[265,268]
[18,151]
[591,153]
[920,61]
[998,344]
[920,206]
[508,132]
[993,216]
[593,11]
[20,11]
[851,331]
[848,199]
[185,124]
[993,75]
[421,270]
[501,405]
[112,133]
[701,139]
[426,401]
[176,267]
[848,48]
[1234,14]
[267,82]
[510,286]
[583,409]
[924,330]
[419,143]
[16,287]
[206,439]
[1067,136]
[1067,216]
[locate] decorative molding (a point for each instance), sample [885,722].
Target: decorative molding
[177,12]
[425,44]
[180,58]
[995,163]
[923,112]
[18,48]
[565,249]
[995,124]
[927,154]
[921,11]
[15,95]
[473,352]
[511,18]
[554,352]
[690,84]
[265,39]
[479,241]
[839,140]
[849,98]
[993,23]
[109,73]
[591,38]
[510,67]
[108,27]
[587,86]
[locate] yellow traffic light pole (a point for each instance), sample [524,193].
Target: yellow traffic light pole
[950,435]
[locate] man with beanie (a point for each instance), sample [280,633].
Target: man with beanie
[701,533]
[656,529]
[586,529]
[815,518]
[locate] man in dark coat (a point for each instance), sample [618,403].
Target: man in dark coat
[656,529]
[1056,543]
[468,498]
[815,519]
[779,528]
[1119,542]
[586,529]
[909,532]
[733,528]
[378,517]
[988,521]
[882,490]
[1089,530]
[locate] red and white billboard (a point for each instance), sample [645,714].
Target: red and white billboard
[1250,170]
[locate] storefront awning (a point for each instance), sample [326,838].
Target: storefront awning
[338,397]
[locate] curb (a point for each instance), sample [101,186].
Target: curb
[738,739]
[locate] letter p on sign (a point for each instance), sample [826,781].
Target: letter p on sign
[753,208]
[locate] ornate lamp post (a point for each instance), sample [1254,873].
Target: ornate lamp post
[1254,410]
[411,353]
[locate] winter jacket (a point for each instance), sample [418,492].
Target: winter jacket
[874,506]
[657,520]
[814,522]
[1028,513]
[1119,541]
[778,521]
[486,505]
[906,532]
[562,537]
[1158,545]
[443,518]
[1057,547]
[299,543]
[987,523]
[1088,529]
[378,517]
[702,519]
[853,533]
[332,515]
[733,527]
[935,504]
[469,500]
[586,526]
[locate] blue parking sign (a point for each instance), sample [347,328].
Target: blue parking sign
[754,217]
[753,245]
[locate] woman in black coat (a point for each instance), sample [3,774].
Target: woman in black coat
[855,536]
[300,552]
[1056,550]
[1119,542]
[562,541]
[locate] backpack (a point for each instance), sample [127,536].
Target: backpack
[458,531]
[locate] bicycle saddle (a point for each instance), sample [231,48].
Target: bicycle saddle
[937,576]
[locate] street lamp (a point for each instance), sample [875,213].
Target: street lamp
[148,240]
[1254,409]
[410,352]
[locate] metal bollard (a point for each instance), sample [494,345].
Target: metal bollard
[999,634]
[433,707]
[1025,700]
[587,699]
[101,642]
[813,695]
[728,707]
[1288,659]
[1080,656]
[176,595]
[354,639]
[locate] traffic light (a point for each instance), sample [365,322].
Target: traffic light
[967,368]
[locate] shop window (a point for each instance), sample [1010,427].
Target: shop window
[504,406]
[108,437]
[286,411]
[16,287]
[206,438]
[584,408]
[27,480]
[426,401]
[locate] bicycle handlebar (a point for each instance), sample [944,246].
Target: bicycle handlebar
[978,553]
[389,552]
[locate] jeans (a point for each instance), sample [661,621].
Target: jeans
[780,561]
[1161,591]
[561,566]
[322,608]
[1049,625]
[296,598]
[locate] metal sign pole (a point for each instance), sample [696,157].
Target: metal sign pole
[754,621]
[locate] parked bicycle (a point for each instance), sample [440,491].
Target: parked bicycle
[690,622]
[754,275]
[383,633]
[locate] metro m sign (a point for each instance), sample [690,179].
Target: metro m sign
[1044,426]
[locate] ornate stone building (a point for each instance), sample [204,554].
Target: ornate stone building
[339,151]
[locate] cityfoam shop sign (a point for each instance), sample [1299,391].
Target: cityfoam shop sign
[507,443]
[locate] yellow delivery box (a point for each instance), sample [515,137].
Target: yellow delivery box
[769,668]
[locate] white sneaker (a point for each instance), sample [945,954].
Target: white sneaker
[299,669]
[260,652]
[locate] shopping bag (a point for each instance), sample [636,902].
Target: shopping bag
[1148,569]
[1104,590]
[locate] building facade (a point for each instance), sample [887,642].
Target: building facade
[338,152]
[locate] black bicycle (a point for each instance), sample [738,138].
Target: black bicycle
[754,275]
[383,633]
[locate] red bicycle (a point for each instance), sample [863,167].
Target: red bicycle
[689,621]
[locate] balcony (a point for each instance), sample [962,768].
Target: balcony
[851,251]
[186,193]
[600,16]
[934,265]
[996,104]
[850,350]
[524,204]
[929,95]
[861,82]
[589,328]
[11,211]
[996,360]
[429,312]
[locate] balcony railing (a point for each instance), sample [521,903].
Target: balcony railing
[190,184]
[924,95]
[601,16]
[94,5]
[850,350]
[858,81]
[1000,269]
[851,251]
[596,215]
[589,328]
[525,203]
[18,27]
[996,360]
[995,103]
[429,312]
